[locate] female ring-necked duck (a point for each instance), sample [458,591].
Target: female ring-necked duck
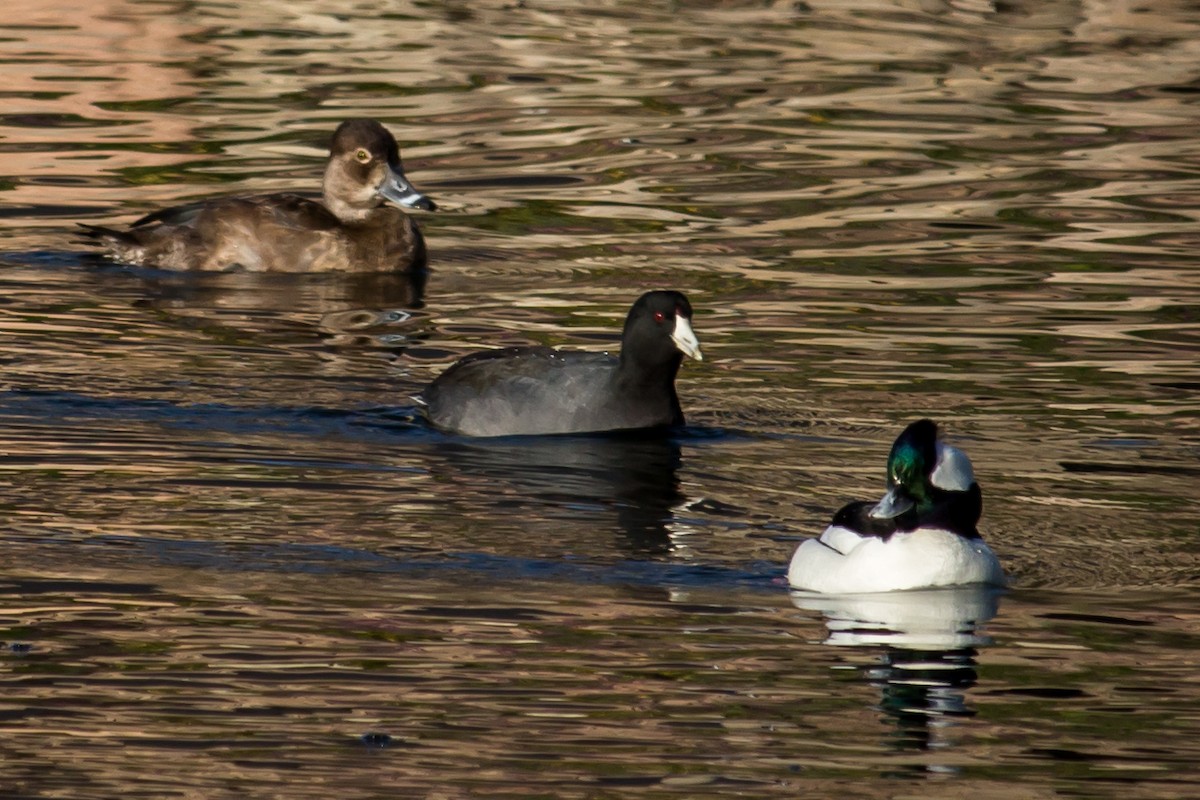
[539,390]
[358,227]
[921,535]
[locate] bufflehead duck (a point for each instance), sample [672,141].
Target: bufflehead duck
[921,535]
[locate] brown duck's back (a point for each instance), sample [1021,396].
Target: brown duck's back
[268,233]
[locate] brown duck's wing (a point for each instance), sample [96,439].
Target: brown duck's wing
[287,210]
[257,232]
[296,211]
[174,215]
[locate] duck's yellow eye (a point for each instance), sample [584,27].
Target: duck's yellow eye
[363,156]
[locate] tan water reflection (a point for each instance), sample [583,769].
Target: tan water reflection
[232,550]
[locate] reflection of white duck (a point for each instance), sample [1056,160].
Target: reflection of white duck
[926,642]
[921,535]
[927,619]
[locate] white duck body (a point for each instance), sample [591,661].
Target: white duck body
[843,561]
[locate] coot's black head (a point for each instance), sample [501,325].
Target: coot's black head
[364,171]
[658,330]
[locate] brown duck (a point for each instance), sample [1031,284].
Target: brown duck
[358,226]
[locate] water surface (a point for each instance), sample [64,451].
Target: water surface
[232,547]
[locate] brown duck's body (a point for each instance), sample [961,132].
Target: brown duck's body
[230,233]
[353,229]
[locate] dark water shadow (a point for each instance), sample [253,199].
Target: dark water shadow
[475,567]
[573,485]
[630,479]
[928,642]
[18,406]
[52,259]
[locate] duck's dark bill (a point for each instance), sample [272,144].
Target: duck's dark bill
[397,189]
[893,504]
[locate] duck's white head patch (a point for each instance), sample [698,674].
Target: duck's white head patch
[953,472]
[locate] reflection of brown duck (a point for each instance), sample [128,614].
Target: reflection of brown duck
[354,229]
[338,293]
[370,309]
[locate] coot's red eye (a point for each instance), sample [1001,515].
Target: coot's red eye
[659,316]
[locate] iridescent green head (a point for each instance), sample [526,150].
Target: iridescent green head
[919,469]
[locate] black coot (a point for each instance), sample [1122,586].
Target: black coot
[539,390]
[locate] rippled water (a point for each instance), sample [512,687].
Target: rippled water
[235,564]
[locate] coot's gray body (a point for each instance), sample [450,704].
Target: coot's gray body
[539,390]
